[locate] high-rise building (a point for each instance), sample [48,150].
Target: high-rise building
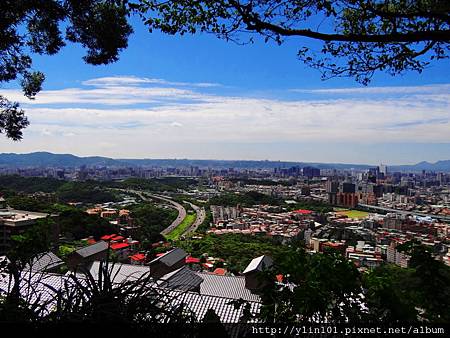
[311,172]
[382,168]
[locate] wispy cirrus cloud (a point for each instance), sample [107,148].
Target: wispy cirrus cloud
[110,96]
[391,90]
[133,80]
[118,91]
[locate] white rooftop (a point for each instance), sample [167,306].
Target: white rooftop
[259,264]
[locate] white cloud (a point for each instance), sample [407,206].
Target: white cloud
[176,124]
[120,81]
[111,96]
[46,132]
[126,115]
[133,80]
[426,89]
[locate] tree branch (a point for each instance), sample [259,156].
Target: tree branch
[254,23]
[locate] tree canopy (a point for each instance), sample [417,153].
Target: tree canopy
[359,37]
[328,287]
[36,27]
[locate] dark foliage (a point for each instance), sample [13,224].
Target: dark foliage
[320,287]
[85,299]
[78,225]
[30,184]
[36,27]
[155,184]
[30,204]
[87,192]
[152,219]
[311,204]
[237,250]
[33,241]
[359,37]
[247,199]
[206,223]
[326,286]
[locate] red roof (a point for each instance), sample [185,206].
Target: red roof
[108,237]
[303,211]
[160,254]
[190,259]
[118,238]
[279,278]
[138,257]
[220,271]
[117,246]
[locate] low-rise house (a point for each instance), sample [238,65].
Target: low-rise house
[90,253]
[254,280]
[137,259]
[170,261]
[121,250]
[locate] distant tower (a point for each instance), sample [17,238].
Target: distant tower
[383,169]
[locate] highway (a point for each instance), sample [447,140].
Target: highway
[181,210]
[201,214]
[404,212]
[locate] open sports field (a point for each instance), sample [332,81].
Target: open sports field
[353,213]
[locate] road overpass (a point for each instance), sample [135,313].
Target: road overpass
[369,207]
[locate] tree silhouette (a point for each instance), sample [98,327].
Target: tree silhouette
[358,37]
[35,27]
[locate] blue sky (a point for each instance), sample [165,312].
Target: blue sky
[201,97]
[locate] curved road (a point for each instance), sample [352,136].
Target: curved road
[181,210]
[201,214]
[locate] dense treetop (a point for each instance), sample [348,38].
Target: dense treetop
[43,27]
[359,36]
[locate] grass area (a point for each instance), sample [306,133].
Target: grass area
[353,213]
[179,230]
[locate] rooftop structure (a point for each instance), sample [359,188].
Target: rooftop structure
[257,264]
[46,261]
[15,222]
[87,254]
[168,262]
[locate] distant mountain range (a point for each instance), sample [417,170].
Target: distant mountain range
[46,159]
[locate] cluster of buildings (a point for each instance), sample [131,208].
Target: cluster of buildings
[261,220]
[415,192]
[120,217]
[375,239]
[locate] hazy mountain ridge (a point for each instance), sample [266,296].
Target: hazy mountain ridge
[47,159]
